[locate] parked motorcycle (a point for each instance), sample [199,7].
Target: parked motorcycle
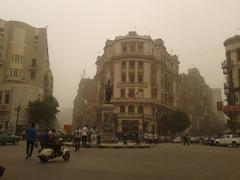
[48,153]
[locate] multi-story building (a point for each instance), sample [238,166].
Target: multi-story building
[195,98]
[144,80]
[231,70]
[25,74]
[84,112]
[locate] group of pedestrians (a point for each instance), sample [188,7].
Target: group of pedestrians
[84,135]
[151,138]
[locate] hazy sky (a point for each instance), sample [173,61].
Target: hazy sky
[77,31]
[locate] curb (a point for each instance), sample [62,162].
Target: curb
[113,146]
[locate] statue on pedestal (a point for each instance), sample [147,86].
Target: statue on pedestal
[108,92]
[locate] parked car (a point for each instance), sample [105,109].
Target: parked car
[177,140]
[5,138]
[228,139]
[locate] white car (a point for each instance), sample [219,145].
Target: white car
[228,139]
[177,140]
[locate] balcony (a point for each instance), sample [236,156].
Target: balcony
[4,108]
[134,54]
[33,67]
[132,84]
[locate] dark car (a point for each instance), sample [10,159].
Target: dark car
[5,138]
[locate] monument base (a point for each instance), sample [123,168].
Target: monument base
[108,127]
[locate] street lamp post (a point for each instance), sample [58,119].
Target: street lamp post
[18,111]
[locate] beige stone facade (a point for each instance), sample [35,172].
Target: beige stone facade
[144,80]
[231,70]
[24,69]
[196,99]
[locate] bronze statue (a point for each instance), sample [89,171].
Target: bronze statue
[108,92]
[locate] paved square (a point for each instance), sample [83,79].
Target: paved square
[167,161]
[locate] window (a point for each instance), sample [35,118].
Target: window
[15,72]
[123,64]
[132,46]
[17,58]
[140,77]
[140,109]
[140,46]
[131,109]
[34,62]
[140,65]
[122,93]
[1,94]
[131,64]
[11,72]
[153,111]
[132,77]
[123,77]
[7,97]
[238,54]
[122,109]
[33,75]
[228,54]
[140,93]
[124,47]
[131,92]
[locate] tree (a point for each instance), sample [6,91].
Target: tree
[43,112]
[174,121]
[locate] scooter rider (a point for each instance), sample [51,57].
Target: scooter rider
[54,142]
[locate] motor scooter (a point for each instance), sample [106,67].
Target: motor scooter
[48,153]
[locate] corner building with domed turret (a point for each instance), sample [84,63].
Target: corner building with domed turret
[143,76]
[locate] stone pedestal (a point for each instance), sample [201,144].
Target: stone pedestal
[107,123]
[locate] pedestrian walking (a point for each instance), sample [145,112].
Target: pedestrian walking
[84,135]
[145,137]
[31,137]
[155,137]
[94,135]
[77,137]
[185,140]
[150,138]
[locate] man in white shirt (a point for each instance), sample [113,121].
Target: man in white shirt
[84,135]
[77,136]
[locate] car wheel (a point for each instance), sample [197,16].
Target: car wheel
[3,144]
[234,144]
[217,143]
